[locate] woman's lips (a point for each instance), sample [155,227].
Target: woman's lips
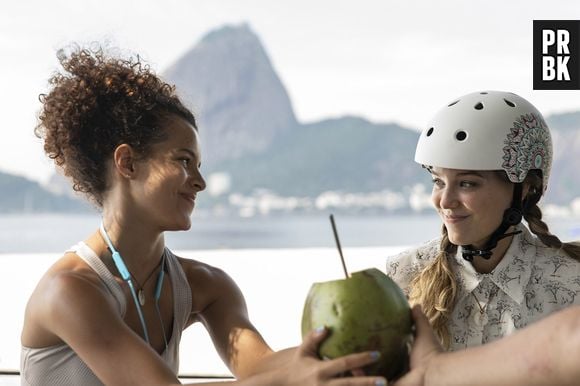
[189,197]
[453,219]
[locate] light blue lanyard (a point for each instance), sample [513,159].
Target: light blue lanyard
[126,276]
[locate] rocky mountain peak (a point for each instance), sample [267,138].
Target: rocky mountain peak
[239,100]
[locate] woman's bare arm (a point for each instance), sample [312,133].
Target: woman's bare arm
[544,353]
[250,358]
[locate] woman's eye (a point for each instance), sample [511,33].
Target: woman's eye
[185,161]
[467,184]
[437,182]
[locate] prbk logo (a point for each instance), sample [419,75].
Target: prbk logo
[556,54]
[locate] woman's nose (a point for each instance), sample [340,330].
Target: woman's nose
[448,198]
[197,180]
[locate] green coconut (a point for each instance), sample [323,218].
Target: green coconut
[367,311]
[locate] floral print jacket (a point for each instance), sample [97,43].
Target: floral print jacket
[530,282]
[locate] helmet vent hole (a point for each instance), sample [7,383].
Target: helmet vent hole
[483,93]
[461,135]
[429,132]
[509,103]
[478,106]
[452,103]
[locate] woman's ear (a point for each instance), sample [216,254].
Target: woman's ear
[124,160]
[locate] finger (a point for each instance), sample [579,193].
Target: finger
[309,346]
[349,362]
[359,381]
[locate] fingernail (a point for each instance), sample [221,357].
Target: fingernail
[380,382]
[375,355]
[319,330]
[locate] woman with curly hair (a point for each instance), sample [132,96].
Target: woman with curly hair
[112,309]
[489,154]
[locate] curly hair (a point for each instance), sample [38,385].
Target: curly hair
[96,104]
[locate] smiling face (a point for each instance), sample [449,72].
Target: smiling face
[169,178]
[470,203]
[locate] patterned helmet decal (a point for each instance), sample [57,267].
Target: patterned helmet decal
[528,146]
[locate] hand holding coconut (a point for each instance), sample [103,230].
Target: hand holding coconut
[367,311]
[364,312]
[306,357]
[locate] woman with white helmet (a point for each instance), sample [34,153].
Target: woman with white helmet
[489,154]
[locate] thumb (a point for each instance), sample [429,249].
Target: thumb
[309,346]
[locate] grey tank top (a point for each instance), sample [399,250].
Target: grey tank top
[60,365]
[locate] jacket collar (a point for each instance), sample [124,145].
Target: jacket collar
[511,274]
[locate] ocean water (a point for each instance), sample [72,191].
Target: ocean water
[53,233]
[40,233]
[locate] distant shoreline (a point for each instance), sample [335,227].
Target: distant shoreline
[53,233]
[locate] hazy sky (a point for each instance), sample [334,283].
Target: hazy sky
[385,60]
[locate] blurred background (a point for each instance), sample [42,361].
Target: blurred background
[304,108]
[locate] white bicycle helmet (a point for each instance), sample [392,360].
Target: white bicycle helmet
[488,130]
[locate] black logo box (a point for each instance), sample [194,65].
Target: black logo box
[573,28]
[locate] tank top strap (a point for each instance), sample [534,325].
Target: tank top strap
[181,289]
[93,261]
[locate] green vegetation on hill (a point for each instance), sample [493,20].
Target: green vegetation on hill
[20,195]
[346,154]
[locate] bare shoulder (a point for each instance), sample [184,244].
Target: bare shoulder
[70,273]
[69,287]
[202,274]
[72,306]
[211,286]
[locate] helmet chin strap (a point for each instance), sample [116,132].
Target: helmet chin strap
[512,216]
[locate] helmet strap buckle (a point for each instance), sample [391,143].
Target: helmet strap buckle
[511,216]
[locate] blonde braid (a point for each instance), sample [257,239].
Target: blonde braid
[533,216]
[435,289]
